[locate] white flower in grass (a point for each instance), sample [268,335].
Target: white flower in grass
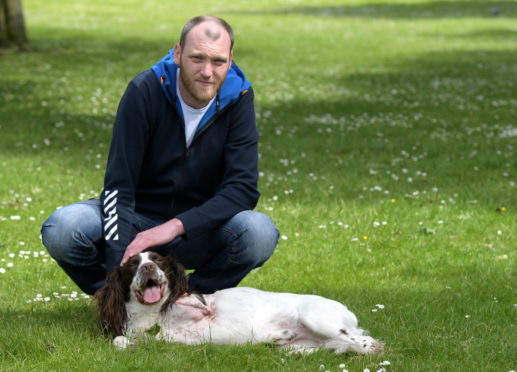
[15,218]
[385,363]
[342,365]
[10,264]
[2,270]
[284,237]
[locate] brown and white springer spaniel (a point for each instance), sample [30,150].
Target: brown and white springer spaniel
[151,290]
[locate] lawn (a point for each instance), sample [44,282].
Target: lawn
[387,157]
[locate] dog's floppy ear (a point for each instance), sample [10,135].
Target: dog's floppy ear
[177,281]
[111,305]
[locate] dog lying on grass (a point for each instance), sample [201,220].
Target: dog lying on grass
[151,290]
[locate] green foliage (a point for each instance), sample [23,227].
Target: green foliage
[387,157]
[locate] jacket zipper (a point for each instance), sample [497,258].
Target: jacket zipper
[218,113]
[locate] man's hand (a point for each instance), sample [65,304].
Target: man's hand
[156,236]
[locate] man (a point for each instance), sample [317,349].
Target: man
[181,176]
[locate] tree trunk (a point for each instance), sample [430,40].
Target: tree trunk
[12,25]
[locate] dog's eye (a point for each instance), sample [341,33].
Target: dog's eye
[156,257]
[133,261]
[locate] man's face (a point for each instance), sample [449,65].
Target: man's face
[204,61]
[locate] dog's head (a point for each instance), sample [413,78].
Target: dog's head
[147,278]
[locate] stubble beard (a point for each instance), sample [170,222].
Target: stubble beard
[200,95]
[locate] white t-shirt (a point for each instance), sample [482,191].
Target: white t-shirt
[191,115]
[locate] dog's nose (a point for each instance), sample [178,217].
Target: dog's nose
[148,268]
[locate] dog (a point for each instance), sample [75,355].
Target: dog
[151,290]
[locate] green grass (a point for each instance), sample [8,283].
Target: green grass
[388,144]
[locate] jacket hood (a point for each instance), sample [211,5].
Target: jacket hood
[233,87]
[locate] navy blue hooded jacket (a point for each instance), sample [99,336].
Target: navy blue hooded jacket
[151,171]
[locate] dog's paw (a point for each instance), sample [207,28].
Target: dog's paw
[370,345]
[121,342]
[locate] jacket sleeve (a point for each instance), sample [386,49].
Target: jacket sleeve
[130,134]
[238,191]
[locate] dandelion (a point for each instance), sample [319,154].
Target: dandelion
[393,201]
[365,237]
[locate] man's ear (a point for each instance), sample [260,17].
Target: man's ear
[231,59]
[177,54]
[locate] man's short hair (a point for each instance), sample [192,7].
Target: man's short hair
[200,19]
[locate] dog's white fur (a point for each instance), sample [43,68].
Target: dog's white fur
[241,315]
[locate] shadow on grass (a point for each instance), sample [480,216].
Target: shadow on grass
[442,86]
[427,10]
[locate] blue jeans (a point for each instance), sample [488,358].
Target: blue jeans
[220,259]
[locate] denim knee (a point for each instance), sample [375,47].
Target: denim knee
[72,228]
[255,237]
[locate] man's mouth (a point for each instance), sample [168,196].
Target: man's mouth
[205,83]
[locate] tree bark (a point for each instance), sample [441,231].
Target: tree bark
[12,25]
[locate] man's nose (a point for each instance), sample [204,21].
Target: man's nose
[206,70]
